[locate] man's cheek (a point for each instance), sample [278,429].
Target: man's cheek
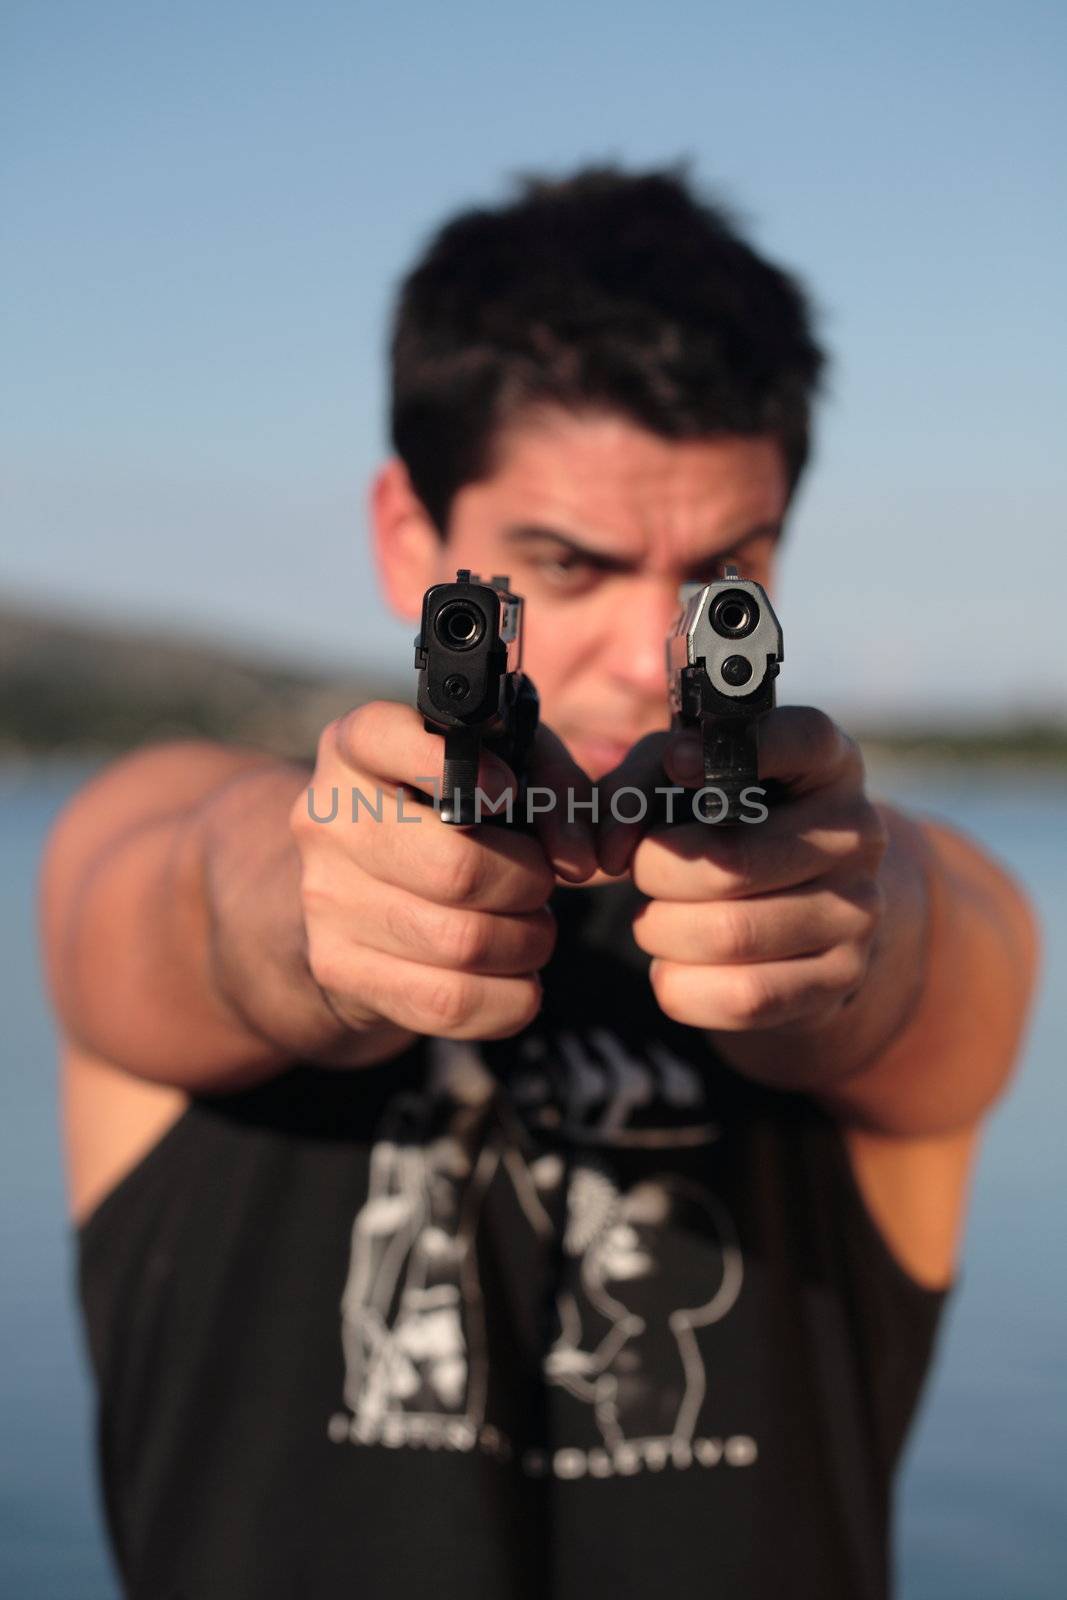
[554,682]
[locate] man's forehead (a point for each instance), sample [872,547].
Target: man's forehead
[627,492]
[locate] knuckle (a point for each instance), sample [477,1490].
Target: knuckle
[325,963]
[327,740]
[868,827]
[875,834]
[737,937]
[832,741]
[316,806]
[459,874]
[843,970]
[317,889]
[528,996]
[851,965]
[300,819]
[462,939]
[663,977]
[672,986]
[643,867]
[332,742]
[643,927]
[755,1002]
[852,756]
[448,1003]
[868,896]
[470,939]
[357,733]
[544,878]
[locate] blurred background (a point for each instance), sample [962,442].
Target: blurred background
[207,211]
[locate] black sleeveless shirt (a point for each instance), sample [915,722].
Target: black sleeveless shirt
[580,1312]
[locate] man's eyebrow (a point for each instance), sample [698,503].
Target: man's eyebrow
[537,533]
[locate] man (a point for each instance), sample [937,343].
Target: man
[559,1213]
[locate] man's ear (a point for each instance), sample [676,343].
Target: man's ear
[407,546]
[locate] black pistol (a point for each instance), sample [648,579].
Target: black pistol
[723,655]
[468,654]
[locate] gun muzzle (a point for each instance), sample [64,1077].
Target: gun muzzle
[471,690]
[723,656]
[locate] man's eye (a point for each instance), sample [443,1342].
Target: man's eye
[566,572]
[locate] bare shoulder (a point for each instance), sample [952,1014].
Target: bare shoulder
[105,856]
[110,1117]
[110,1121]
[917,1190]
[976,863]
[144,785]
[963,1040]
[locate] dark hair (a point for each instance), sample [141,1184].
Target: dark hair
[614,290]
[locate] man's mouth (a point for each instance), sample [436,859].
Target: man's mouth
[597,755]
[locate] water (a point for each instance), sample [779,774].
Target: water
[981,1501]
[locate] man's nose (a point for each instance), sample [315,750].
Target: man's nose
[639,635]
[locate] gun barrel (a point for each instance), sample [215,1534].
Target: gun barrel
[468,655]
[723,656]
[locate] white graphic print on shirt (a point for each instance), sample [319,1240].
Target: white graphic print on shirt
[412,1319]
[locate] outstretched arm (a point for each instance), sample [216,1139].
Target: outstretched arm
[203,929]
[167,882]
[880,962]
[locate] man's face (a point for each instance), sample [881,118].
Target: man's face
[597,522]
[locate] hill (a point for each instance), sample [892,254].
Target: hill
[68,684]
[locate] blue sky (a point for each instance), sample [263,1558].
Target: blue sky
[207,209]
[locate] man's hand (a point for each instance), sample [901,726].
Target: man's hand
[416,924]
[193,939]
[764,924]
[840,947]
